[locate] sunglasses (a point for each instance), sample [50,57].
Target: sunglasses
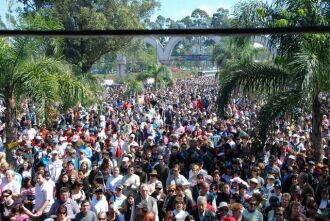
[5,196]
[252,204]
[279,214]
[62,213]
[102,218]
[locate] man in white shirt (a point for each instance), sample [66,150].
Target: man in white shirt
[99,201]
[30,132]
[131,181]
[44,197]
[55,166]
[114,180]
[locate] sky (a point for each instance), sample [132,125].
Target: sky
[178,9]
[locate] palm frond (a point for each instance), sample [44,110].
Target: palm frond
[250,78]
[276,105]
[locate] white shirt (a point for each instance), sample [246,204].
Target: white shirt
[55,168]
[133,181]
[112,182]
[14,186]
[44,192]
[180,215]
[99,205]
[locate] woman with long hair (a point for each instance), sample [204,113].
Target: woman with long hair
[26,170]
[77,193]
[63,181]
[129,208]
[105,168]
[28,193]
[84,168]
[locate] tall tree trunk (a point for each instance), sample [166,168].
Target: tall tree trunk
[10,129]
[316,129]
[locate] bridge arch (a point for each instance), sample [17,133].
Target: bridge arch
[164,52]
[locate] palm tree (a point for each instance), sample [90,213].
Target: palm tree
[287,86]
[25,74]
[300,73]
[159,73]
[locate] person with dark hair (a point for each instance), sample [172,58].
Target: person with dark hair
[63,181]
[131,181]
[28,193]
[251,213]
[86,214]
[61,214]
[129,208]
[77,193]
[64,199]
[179,212]
[44,199]
[306,188]
[25,170]
[295,211]
[8,204]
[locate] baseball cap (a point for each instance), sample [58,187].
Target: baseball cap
[120,187]
[292,157]
[223,204]
[271,176]
[159,185]
[278,185]
[70,162]
[125,159]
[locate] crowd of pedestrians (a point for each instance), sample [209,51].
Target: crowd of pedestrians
[167,156]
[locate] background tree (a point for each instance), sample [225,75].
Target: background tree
[220,18]
[90,15]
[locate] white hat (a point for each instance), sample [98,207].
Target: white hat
[295,135]
[132,135]
[223,204]
[150,138]
[254,180]
[125,159]
[54,152]
[292,157]
[38,137]
[185,183]
[62,138]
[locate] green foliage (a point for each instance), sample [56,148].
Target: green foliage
[220,19]
[26,74]
[89,15]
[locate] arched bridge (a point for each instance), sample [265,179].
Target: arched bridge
[164,52]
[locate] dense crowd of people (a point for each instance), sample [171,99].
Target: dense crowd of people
[167,156]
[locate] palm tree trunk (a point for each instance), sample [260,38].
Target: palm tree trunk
[316,129]
[10,129]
